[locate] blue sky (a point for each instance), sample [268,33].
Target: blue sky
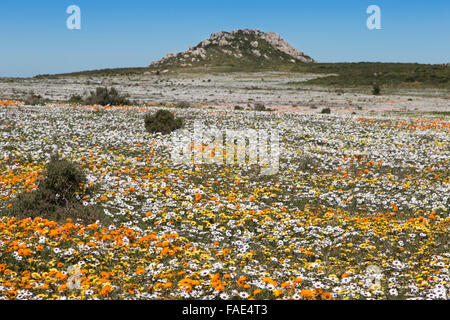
[34,38]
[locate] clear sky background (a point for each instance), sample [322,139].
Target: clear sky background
[34,38]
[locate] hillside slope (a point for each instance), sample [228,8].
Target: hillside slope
[246,49]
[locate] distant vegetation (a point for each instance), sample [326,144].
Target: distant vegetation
[76,99]
[97,73]
[338,75]
[365,74]
[105,96]
[260,107]
[183,105]
[33,99]
[376,90]
[163,121]
[101,96]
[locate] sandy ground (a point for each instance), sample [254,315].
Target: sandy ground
[275,90]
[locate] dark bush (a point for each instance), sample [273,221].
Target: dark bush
[162,121]
[58,197]
[376,89]
[183,105]
[260,107]
[326,111]
[238,108]
[33,99]
[104,96]
[64,179]
[76,99]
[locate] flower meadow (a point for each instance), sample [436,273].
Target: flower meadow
[353,193]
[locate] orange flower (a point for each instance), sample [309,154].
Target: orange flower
[11,294]
[24,252]
[106,290]
[215,277]
[167,285]
[140,270]
[298,280]
[306,293]
[269,281]
[62,287]
[241,281]
[198,196]
[317,291]
[277,292]
[326,296]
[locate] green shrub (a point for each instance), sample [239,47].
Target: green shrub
[162,121]
[326,111]
[238,108]
[58,197]
[63,178]
[376,89]
[260,107]
[33,99]
[76,99]
[183,105]
[104,96]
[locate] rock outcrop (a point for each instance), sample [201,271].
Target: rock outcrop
[245,46]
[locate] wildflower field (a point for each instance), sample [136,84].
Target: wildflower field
[353,194]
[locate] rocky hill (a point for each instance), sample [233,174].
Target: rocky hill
[240,48]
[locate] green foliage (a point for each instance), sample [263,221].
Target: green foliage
[339,75]
[326,111]
[33,99]
[364,74]
[97,73]
[162,121]
[183,105]
[58,197]
[63,178]
[104,96]
[260,107]
[76,99]
[376,89]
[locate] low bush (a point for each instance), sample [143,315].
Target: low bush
[33,99]
[376,89]
[183,105]
[162,121]
[261,107]
[104,96]
[326,111]
[76,99]
[58,196]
